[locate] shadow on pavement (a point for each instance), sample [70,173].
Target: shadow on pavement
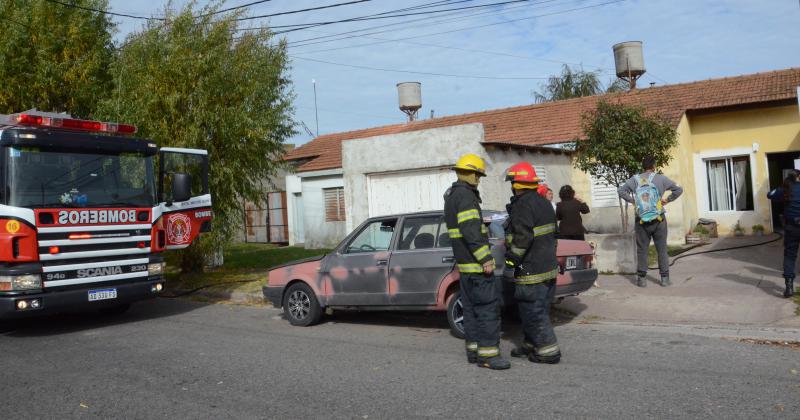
[764,286]
[66,323]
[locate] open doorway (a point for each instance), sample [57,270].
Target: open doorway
[778,167]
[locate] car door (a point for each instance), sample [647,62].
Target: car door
[358,272]
[184,218]
[421,259]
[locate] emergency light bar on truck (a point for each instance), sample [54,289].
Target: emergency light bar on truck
[38,119]
[86,213]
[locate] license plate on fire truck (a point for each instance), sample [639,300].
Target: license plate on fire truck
[102,294]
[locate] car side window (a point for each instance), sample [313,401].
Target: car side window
[376,236]
[419,233]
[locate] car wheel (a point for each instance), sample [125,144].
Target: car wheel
[115,310]
[301,306]
[455,315]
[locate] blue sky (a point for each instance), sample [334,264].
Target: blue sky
[684,40]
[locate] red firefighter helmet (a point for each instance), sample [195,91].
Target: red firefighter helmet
[522,172]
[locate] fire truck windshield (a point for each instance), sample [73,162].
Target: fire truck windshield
[42,178]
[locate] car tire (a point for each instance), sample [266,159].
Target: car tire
[300,306]
[455,315]
[115,310]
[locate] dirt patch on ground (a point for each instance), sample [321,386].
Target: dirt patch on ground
[794,345]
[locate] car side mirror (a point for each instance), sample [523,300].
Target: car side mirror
[181,186]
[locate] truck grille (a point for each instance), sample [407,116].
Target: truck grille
[96,254]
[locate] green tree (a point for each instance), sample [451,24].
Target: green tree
[617,138]
[194,81]
[575,83]
[54,58]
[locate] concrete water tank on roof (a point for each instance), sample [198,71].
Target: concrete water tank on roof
[410,95]
[629,59]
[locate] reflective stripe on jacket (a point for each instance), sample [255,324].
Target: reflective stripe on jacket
[531,236]
[469,237]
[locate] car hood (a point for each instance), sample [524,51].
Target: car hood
[300,261]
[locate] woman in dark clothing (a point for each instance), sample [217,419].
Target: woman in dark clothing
[568,213]
[790,195]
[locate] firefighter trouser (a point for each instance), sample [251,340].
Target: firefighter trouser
[481,304]
[534,310]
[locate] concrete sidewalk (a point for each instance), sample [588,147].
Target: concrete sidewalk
[740,287]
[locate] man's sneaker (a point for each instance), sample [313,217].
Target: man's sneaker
[665,281]
[494,363]
[641,281]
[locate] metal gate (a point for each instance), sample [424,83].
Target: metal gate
[267,223]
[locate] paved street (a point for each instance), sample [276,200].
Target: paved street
[174,358]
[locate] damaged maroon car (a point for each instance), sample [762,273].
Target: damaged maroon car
[404,262]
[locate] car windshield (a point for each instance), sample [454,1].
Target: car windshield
[40,178]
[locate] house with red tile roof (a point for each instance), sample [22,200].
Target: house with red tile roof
[737,137]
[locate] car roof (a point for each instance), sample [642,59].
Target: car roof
[431,213]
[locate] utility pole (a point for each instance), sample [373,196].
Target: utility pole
[316,114]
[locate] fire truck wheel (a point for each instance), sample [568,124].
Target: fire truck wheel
[455,315]
[300,306]
[116,310]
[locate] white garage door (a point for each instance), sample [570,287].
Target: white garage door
[408,191]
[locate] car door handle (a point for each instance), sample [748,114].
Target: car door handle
[448,259]
[382,262]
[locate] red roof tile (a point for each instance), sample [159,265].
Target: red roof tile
[558,122]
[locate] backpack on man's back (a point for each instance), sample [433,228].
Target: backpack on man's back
[648,199]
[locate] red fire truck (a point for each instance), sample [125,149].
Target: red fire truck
[85,213]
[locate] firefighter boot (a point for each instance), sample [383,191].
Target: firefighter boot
[472,352]
[522,351]
[494,363]
[550,354]
[789,292]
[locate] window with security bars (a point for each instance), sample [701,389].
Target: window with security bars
[729,184]
[334,204]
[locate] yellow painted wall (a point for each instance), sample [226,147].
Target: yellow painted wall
[721,134]
[774,129]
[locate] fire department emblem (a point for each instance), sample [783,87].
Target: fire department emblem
[179,228]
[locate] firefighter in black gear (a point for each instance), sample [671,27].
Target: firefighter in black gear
[531,250]
[470,240]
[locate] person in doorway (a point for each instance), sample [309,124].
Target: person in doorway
[568,214]
[469,237]
[646,192]
[531,251]
[789,193]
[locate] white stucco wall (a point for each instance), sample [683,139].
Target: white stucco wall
[318,233]
[496,192]
[422,149]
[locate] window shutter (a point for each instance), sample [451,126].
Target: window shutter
[603,195]
[334,204]
[541,172]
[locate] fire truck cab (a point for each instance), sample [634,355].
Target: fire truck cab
[85,211]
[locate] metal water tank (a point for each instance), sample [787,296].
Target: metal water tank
[410,96]
[629,59]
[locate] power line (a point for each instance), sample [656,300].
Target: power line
[424,73]
[359,19]
[89,9]
[304,10]
[456,18]
[233,8]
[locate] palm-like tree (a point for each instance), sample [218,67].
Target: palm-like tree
[574,83]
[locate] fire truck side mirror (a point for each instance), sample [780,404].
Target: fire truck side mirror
[181,186]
